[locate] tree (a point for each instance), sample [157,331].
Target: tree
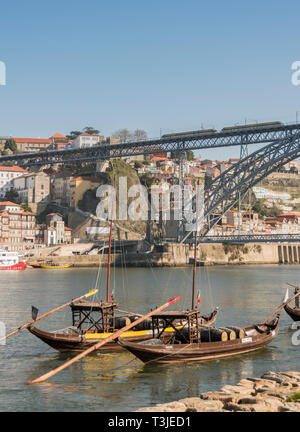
[139,135]
[13,196]
[10,144]
[73,134]
[138,164]
[147,180]
[90,130]
[124,134]
[26,207]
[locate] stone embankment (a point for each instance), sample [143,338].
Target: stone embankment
[175,255]
[273,392]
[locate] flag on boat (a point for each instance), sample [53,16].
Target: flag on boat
[198,298]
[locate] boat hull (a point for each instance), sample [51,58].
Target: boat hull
[64,343]
[17,266]
[181,353]
[294,313]
[54,267]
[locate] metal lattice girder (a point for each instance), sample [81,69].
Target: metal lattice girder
[251,238]
[230,186]
[226,189]
[187,142]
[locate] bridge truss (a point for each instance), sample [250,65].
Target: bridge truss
[233,184]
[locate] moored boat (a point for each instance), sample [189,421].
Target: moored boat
[54,266]
[95,321]
[294,312]
[11,261]
[196,344]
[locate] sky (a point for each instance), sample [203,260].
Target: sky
[159,65]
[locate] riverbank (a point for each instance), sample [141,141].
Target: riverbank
[178,255]
[273,392]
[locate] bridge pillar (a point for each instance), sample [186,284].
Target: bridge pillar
[285,255]
[280,255]
[295,254]
[290,254]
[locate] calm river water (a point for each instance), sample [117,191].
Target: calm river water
[117,381]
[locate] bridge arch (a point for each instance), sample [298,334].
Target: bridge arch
[233,184]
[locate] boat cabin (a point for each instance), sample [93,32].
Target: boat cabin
[89,316]
[184,323]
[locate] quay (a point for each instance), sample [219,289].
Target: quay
[176,255]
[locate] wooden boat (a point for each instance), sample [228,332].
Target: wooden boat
[93,321]
[100,326]
[294,312]
[196,344]
[55,266]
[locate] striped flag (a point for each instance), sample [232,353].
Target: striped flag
[198,298]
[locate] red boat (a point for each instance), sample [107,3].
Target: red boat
[10,261]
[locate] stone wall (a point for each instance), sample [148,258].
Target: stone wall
[250,253]
[273,392]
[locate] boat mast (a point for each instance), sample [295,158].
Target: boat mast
[194,271]
[108,268]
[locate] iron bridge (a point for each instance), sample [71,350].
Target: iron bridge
[254,135]
[250,238]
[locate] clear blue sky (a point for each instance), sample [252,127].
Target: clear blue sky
[161,64]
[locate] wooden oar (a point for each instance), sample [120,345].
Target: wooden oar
[281,306]
[103,342]
[129,313]
[30,323]
[293,286]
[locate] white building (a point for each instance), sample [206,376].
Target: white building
[86,140]
[7,176]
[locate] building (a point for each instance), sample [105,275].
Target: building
[86,140]
[29,145]
[7,176]
[34,189]
[17,227]
[59,141]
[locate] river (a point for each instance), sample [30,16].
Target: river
[118,381]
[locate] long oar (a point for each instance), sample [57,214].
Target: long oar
[281,306]
[129,313]
[30,323]
[294,286]
[103,342]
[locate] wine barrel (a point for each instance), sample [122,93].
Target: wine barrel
[144,325]
[212,334]
[230,333]
[240,333]
[120,322]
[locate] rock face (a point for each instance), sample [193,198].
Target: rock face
[273,392]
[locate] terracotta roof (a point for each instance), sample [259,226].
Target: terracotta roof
[289,214]
[68,229]
[12,168]
[8,203]
[33,140]
[58,135]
